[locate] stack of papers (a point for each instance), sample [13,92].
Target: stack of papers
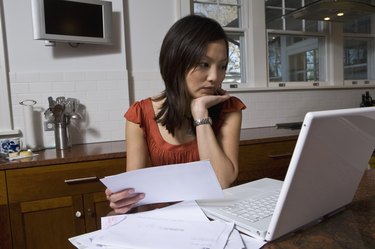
[183,225]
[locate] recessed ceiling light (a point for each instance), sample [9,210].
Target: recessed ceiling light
[340,14]
[326,18]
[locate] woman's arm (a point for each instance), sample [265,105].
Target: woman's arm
[221,150]
[136,158]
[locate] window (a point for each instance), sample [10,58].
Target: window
[277,16]
[295,47]
[356,63]
[358,51]
[293,58]
[229,14]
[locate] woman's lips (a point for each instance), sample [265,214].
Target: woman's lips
[209,90]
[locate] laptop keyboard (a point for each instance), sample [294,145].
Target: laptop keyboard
[254,209]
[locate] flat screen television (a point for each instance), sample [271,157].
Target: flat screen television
[72,21]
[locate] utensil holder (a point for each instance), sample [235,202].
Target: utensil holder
[62,138]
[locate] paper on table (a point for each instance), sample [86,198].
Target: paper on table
[186,210]
[235,241]
[176,182]
[165,234]
[252,243]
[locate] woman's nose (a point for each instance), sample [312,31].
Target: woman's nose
[213,74]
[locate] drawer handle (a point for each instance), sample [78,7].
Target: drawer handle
[277,156]
[81,180]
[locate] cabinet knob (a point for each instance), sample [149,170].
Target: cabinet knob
[78,214]
[90,212]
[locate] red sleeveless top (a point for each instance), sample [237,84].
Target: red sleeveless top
[162,152]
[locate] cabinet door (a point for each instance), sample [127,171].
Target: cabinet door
[269,159]
[96,206]
[47,203]
[47,223]
[5,235]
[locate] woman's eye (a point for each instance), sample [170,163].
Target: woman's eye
[203,64]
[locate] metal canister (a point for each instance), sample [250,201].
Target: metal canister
[62,137]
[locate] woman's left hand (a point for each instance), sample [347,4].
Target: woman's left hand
[199,106]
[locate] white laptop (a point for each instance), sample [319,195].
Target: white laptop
[332,151]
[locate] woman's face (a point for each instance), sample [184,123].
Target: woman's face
[207,76]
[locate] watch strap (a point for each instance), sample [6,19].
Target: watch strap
[202,121]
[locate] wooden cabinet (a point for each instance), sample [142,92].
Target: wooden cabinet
[50,204]
[5,234]
[265,159]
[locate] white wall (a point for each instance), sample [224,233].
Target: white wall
[106,79]
[148,23]
[94,74]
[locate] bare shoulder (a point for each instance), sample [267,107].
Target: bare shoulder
[157,102]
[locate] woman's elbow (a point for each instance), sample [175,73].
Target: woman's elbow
[227,182]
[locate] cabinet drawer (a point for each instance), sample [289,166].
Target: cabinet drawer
[60,180]
[261,160]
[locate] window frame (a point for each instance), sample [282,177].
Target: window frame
[6,124]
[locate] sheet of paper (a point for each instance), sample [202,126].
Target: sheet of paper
[235,241]
[165,234]
[252,243]
[177,182]
[84,241]
[186,210]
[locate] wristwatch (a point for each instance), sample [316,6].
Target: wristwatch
[201,121]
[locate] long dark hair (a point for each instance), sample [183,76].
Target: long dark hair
[182,49]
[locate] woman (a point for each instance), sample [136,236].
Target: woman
[193,118]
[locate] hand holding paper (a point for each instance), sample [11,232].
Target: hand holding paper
[177,182]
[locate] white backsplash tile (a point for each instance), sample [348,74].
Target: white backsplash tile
[271,107]
[103,96]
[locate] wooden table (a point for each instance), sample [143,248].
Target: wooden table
[352,228]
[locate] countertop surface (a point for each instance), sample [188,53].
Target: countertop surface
[77,153]
[117,149]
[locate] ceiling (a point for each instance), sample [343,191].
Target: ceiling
[319,10]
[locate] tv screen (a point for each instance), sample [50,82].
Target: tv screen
[77,21]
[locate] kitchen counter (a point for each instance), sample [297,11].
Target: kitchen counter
[117,149]
[78,153]
[267,134]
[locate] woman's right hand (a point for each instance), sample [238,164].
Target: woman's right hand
[121,202]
